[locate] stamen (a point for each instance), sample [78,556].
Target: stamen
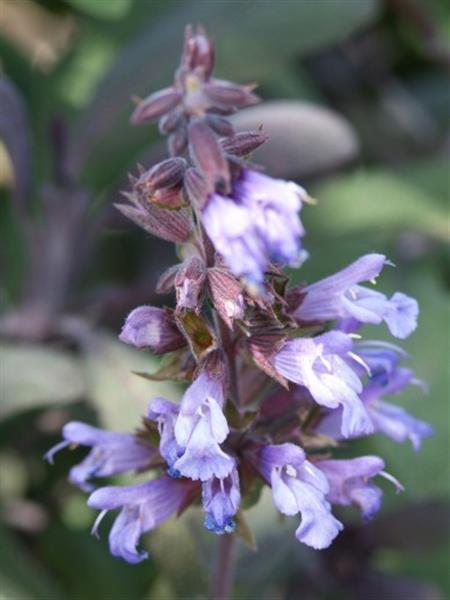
[361,362]
[307,199]
[326,363]
[50,453]
[98,520]
[398,486]
[352,293]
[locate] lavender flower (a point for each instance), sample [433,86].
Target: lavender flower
[386,378]
[299,487]
[394,421]
[349,482]
[143,507]
[257,225]
[151,327]
[200,428]
[165,414]
[319,365]
[221,499]
[111,454]
[340,297]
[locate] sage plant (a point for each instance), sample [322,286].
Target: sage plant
[277,375]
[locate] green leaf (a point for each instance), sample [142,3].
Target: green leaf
[37,375]
[177,548]
[87,569]
[377,201]
[103,9]
[20,576]
[304,139]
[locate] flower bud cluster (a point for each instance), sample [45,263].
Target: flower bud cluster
[276,375]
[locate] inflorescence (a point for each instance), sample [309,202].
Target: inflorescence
[278,376]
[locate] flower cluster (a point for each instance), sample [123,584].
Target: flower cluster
[277,375]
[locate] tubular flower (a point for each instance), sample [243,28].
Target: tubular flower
[151,327]
[111,453]
[200,428]
[143,507]
[340,296]
[349,482]
[299,487]
[385,377]
[221,499]
[319,365]
[256,225]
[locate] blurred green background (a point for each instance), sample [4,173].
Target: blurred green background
[356,105]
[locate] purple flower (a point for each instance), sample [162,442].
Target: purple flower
[319,365]
[381,361]
[394,421]
[200,428]
[112,453]
[221,499]
[143,507]
[299,487]
[349,482]
[257,225]
[151,327]
[340,297]
[191,433]
[165,414]
[378,359]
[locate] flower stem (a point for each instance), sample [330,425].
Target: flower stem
[223,576]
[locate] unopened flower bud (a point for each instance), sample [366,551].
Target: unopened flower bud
[178,141]
[220,125]
[170,198]
[227,94]
[171,121]
[207,154]
[151,327]
[189,284]
[198,51]
[203,56]
[156,105]
[243,143]
[165,174]
[196,187]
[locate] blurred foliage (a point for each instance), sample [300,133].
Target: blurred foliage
[365,128]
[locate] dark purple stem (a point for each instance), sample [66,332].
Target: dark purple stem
[224,569]
[229,350]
